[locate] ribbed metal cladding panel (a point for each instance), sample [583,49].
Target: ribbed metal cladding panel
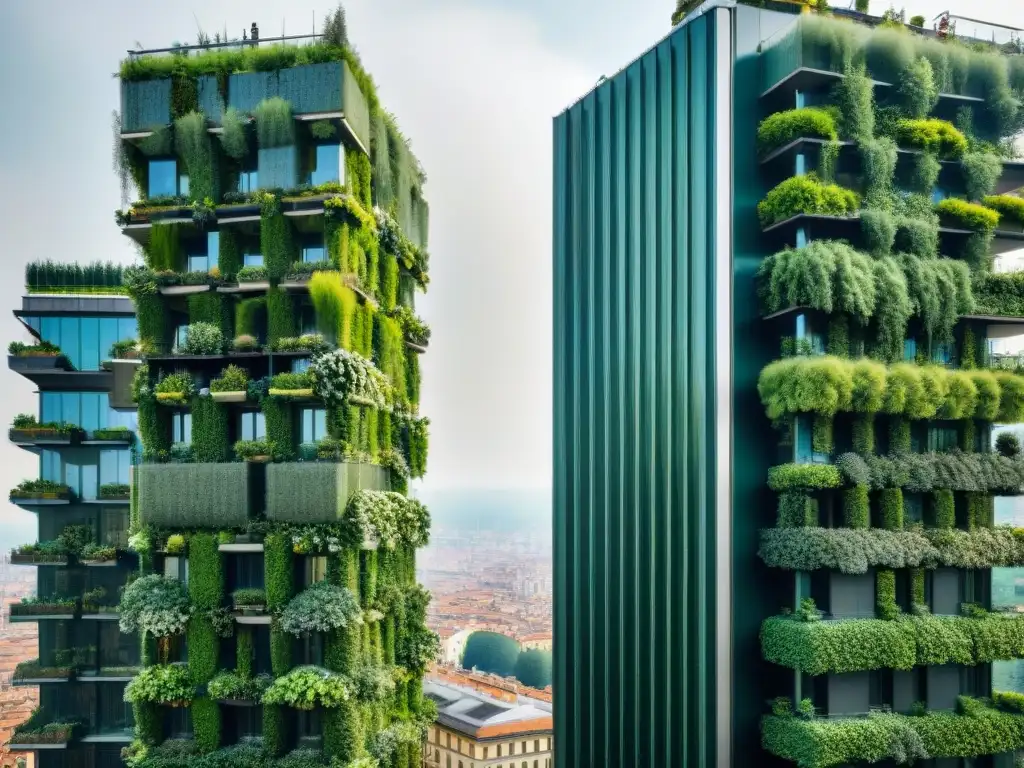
[634,408]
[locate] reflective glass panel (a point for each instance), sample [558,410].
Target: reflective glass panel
[163,178]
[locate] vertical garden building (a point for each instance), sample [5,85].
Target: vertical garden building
[777,274]
[282,226]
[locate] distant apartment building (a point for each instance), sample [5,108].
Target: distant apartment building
[453,644]
[540,641]
[486,722]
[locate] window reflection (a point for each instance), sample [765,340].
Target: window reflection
[253,426]
[252,260]
[314,424]
[86,340]
[325,164]
[163,178]
[181,427]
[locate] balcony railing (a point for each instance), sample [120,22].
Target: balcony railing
[317,492]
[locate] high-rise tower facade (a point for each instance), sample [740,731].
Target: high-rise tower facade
[283,228]
[778,267]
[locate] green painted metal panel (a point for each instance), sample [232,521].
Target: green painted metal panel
[219,495]
[318,492]
[634,409]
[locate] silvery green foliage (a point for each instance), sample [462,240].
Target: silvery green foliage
[388,518]
[388,231]
[154,605]
[853,551]
[315,539]
[308,687]
[203,339]
[372,682]
[954,471]
[341,377]
[386,743]
[322,607]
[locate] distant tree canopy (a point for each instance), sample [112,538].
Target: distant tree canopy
[533,668]
[491,652]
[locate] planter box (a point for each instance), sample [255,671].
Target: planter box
[42,436]
[318,492]
[250,610]
[237,703]
[221,495]
[42,613]
[112,562]
[37,362]
[34,560]
[170,398]
[48,497]
[228,397]
[292,394]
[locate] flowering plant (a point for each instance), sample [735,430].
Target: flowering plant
[388,518]
[341,377]
[316,539]
[320,608]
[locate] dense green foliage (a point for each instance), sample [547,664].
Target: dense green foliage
[1009,207]
[806,477]
[780,128]
[937,136]
[160,684]
[807,195]
[968,215]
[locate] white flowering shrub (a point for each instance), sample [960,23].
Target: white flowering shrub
[202,339]
[341,377]
[154,605]
[321,607]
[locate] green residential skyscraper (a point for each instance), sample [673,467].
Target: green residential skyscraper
[774,399]
[272,597]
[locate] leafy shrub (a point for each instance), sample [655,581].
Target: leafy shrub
[826,275]
[806,194]
[321,607]
[968,215]
[308,687]
[202,339]
[253,274]
[154,605]
[180,384]
[245,343]
[231,379]
[345,378]
[838,646]
[981,172]
[250,449]
[803,477]
[228,686]
[388,518]
[161,684]
[1008,445]
[1009,207]
[97,553]
[806,385]
[781,128]
[940,291]
[308,342]
[932,135]
[249,596]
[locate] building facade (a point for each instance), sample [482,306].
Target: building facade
[740,422]
[76,318]
[484,726]
[272,612]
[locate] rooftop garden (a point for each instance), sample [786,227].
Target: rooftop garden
[72,277]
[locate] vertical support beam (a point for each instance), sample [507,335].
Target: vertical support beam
[724,58]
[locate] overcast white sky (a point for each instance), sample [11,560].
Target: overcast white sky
[474,83]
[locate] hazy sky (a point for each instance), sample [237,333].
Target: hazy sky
[474,83]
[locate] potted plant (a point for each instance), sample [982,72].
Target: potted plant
[127,349]
[39,356]
[294,386]
[245,343]
[156,606]
[341,377]
[97,554]
[165,684]
[307,688]
[53,605]
[960,214]
[202,339]
[93,602]
[115,491]
[254,450]
[322,607]
[175,545]
[28,671]
[27,429]
[252,274]
[39,490]
[249,601]
[307,342]
[37,730]
[113,434]
[175,389]
[43,553]
[231,386]
[233,689]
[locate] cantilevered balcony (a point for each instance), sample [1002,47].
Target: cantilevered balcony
[199,495]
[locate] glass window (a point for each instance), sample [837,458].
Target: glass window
[313,249]
[314,424]
[943,353]
[253,425]
[941,438]
[326,164]
[183,184]
[301,364]
[248,177]
[910,349]
[807,330]
[213,249]
[252,260]
[163,178]
[86,340]
[180,334]
[198,264]
[181,424]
